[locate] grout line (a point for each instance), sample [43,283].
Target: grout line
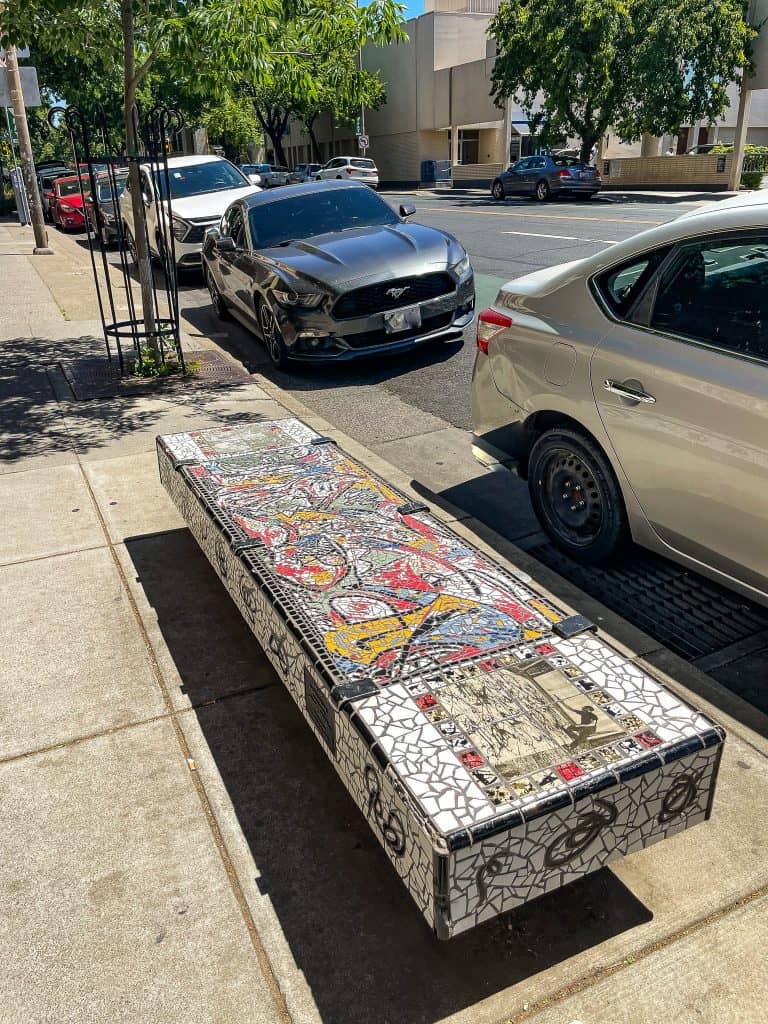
[590,980]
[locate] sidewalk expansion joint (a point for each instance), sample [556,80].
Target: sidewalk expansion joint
[52,554]
[593,978]
[235,885]
[112,730]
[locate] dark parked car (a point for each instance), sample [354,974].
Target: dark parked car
[105,224]
[46,178]
[546,176]
[330,271]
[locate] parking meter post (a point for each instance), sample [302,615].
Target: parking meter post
[25,152]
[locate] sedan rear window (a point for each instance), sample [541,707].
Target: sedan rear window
[72,188]
[322,212]
[621,286]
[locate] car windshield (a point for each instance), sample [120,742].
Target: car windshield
[317,213]
[195,179]
[105,189]
[71,188]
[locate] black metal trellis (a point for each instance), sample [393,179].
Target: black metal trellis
[95,155]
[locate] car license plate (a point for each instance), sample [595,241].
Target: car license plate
[402,319]
[586,174]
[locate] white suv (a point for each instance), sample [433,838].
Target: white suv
[202,187]
[357,168]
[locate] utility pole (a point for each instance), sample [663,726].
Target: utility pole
[25,151]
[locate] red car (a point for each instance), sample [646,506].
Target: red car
[66,203]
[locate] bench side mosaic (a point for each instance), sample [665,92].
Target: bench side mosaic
[498,749]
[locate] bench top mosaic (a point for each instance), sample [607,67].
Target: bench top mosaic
[463,676]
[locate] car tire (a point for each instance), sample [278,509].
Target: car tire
[576,496]
[542,191]
[133,256]
[497,191]
[338,177]
[220,307]
[271,335]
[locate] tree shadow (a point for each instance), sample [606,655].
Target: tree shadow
[39,415]
[352,929]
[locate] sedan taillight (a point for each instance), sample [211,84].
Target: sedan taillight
[563,174]
[489,324]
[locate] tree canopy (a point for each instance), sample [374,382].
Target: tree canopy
[638,66]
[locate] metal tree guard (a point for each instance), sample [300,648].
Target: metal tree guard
[96,153]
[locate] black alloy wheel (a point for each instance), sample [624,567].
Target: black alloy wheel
[497,191]
[576,496]
[272,336]
[220,307]
[542,191]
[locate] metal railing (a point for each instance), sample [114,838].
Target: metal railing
[95,156]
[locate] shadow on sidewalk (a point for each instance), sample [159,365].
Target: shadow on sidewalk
[352,928]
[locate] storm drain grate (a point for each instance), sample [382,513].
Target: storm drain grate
[683,611]
[91,377]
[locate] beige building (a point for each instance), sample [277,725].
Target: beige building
[439,109]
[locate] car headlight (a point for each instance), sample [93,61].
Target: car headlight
[66,208]
[462,266]
[303,300]
[180,229]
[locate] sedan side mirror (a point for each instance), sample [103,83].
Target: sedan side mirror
[224,243]
[407,210]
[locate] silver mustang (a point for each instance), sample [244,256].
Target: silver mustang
[329,271]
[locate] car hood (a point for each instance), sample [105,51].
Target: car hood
[210,205]
[368,254]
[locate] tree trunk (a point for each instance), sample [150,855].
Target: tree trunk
[310,126]
[587,145]
[273,122]
[137,200]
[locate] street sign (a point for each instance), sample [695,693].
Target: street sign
[363,142]
[358,126]
[29,87]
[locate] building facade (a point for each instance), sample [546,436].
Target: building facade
[439,107]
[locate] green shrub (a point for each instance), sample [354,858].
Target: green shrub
[752,179]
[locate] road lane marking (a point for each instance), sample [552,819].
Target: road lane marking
[563,238]
[542,216]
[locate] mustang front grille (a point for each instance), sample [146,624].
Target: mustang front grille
[404,291]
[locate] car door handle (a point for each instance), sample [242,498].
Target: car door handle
[626,391]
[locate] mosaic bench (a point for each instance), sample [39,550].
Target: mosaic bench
[498,748]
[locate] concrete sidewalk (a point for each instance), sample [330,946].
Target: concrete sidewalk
[176,847]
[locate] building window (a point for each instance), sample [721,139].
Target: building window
[469,146]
